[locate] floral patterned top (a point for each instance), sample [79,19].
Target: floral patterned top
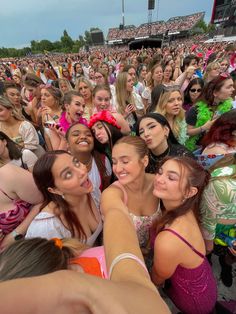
[142,223]
[219,200]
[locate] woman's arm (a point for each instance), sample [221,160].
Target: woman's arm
[22,228]
[166,258]
[29,135]
[125,129]
[70,292]
[119,237]
[192,130]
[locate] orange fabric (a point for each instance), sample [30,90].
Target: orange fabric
[90,265]
[13,66]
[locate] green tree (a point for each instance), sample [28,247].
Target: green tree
[202,25]
[66,41]
[211,28]
[76,47]
[45,45]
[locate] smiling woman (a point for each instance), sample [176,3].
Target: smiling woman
[81,145]
[179,250]
[133,190]
[74,105]
[70,208]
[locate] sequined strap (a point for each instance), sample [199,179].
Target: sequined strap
[185,241]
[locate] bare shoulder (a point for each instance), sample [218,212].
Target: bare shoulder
[112,197]
[9,171]
[112,191]
[167,243]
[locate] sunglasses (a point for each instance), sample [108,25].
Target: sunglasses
[194,90]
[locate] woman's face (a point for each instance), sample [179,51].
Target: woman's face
[5,113]
[129,83]
[75,109]
[79,69]
[172,64]
[14,96]
[111,69]
[143,73]
[91,74]
[214,73]
[101,100]
[153,133]
[84,90]
[195,92]
[33,91]
[134,62]
[174,104]
[64,87]
[226,91]
[100,132]
[70,176]
[127,165]
[99,78]
[105,68]
[167,72]
[16,79]
[224,66]
[132,73]
[169,183]
[157,74]
[47,99]
[80,139]
[65,73]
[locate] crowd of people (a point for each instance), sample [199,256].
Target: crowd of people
[175,24]
[120,165]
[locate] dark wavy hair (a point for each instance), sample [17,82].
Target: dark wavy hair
[197,80]
[43,177]
[13,149]
[197,177]
[221,130]
[113,133]
[162,120]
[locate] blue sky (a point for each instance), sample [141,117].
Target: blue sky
[24,20]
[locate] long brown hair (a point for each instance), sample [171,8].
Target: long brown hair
[26,258]
[43,177]
[196,177]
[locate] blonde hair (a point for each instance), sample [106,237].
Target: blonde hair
[85,81]
[135,141]
[26,258]
[122,95]
[211,66]
[67,83]
[8,105]
[161,108]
